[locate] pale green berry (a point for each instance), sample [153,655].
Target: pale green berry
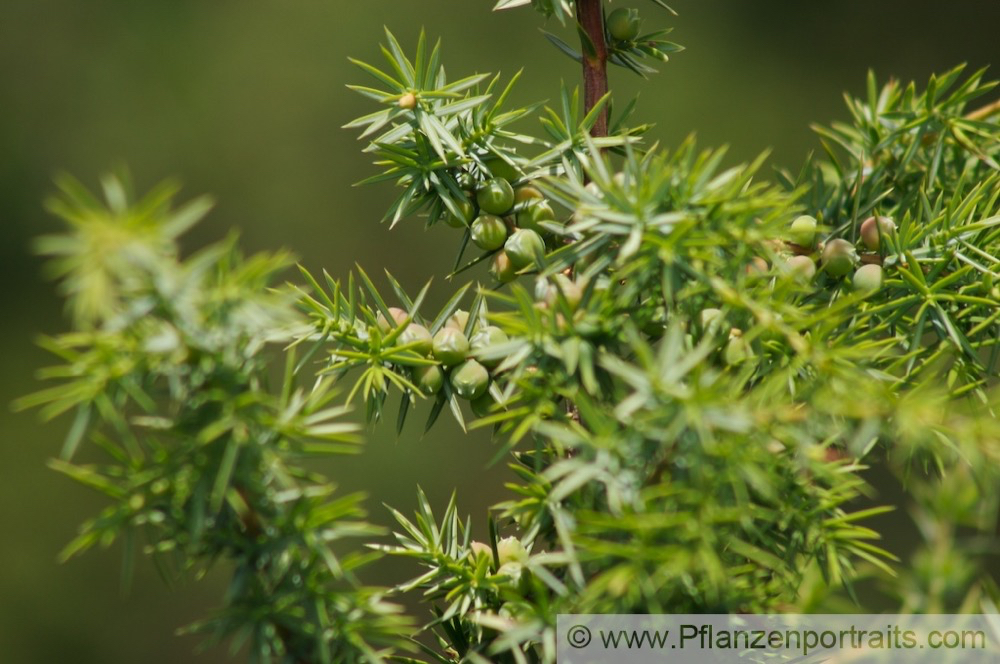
[407,101]
[479,550]
[482,406]
[466,181]
[868,278]
[534,214]
[512,571]
[485,338]
[756,268]
[708,316]
[737,349]
[803,231]
[524,247]
[488,232]
[623,24]
[502,269]
[496,196]
[509,611]
[510,550]
[450,346]
[418,335]
[802,267]
[501,169]
[542,289]
[470,379]
[571,291]
[527,192]
[467,214]
[398,316]
[874,229]
[839,257]
[428,380]
[458,320]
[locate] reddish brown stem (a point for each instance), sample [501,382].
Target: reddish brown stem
[590,14]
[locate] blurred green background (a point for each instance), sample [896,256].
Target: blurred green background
[244,100]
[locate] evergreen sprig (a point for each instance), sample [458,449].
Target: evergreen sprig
[688,366]
[169,376]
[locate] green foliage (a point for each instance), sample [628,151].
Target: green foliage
[915,158]
[687,402]
[169,376]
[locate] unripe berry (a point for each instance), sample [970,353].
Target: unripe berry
[803,231]
[571,292]
[532,216]
[542,289]
[519,576]
[839,257]
[496,196]
[623,24]
[479,550]
[513,571]
[470,379]
[510,611]
[775,245]
[802,267]
[408,101]
[419,335]
[524,248]
[502,269]
[501,169]
[737,349]
[873,229]
[468,213]
[756,268]
[428,380]
[458,320]
[450,346]
[482,406]
[486,337]
[466,180]
[709,316]
[398,316]
[527,192]
[510,550]
[489,232]
[868,278]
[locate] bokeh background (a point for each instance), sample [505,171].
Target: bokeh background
[244,100]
